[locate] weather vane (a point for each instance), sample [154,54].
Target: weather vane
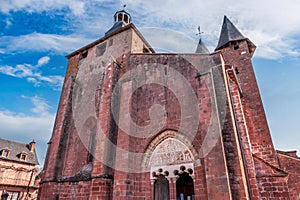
[124,6]
[199,31]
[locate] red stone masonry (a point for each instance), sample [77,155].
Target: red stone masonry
[197,100]
[258,130]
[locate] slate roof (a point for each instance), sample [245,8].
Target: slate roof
[228,33]
[201,48]
[15,148]
[115,27]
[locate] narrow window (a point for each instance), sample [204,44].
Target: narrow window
[110,43]
[92,146]
[126,18]
[120,17]
[236,46]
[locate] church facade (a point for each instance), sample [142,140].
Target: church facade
[135,124]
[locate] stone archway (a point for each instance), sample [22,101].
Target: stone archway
[171,151]
[168,160]
[159,140]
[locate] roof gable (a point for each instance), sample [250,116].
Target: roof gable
[117,31]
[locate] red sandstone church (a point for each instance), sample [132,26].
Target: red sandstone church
[135,124]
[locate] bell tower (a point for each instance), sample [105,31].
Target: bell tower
[237,51]
[121,19]
[122,16]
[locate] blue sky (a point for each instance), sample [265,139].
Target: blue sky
[35,35]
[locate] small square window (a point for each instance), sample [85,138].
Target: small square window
[5,153]
[23,157]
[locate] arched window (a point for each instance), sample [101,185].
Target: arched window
[120,16]
[126,18]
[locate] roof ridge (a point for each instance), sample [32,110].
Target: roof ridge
[18,142]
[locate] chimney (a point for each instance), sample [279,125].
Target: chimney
[31,146]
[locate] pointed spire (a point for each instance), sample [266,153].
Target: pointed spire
[228,33]
[201,48]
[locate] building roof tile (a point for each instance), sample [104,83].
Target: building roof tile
[15,149]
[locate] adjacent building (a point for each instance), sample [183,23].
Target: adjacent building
[18,171]
[135,124]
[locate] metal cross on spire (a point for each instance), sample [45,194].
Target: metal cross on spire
[201,48]
[199,31]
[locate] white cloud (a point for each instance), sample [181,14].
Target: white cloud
[270,24]
[8,23]
[32,73]
[43,60]
[42,42]
[16,124]
[25,127]
[77,7]
[173,41]
[40,106]
[20,71]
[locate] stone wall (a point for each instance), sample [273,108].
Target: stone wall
[18,177]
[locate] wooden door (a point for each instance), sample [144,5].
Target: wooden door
[161,188]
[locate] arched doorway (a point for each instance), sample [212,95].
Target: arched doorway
[168,161]
[161,188]
[185,187]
